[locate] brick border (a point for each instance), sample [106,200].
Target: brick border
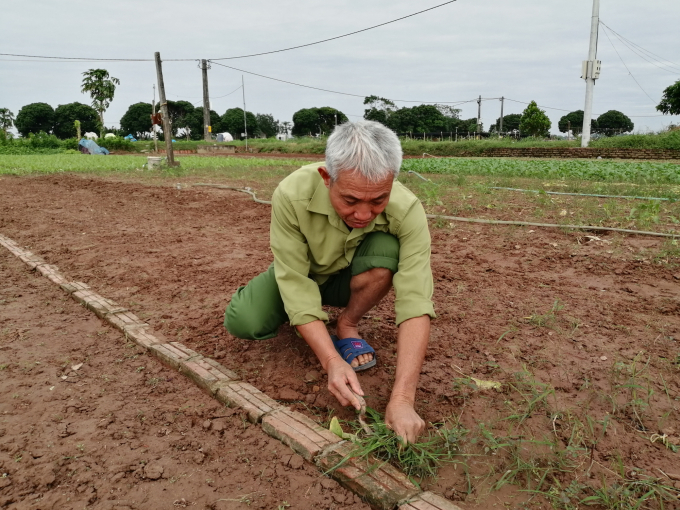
[378,483]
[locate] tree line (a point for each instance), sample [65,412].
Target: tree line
[65,121]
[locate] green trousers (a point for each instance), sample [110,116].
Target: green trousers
[256,310]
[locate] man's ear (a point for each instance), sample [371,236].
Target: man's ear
[325,176]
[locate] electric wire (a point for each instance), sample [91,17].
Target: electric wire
[624,65]
[651,55]
[89,59]
[455,103]
[336,37]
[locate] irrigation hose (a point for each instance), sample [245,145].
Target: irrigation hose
[480,220]
[580,194]
[556,192]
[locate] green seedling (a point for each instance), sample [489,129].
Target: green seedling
[421,459]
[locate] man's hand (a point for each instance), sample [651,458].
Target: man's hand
[402,418]
[340,375]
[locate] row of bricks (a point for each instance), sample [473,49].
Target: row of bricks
[380,484]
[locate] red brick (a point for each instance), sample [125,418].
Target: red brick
[303,435]
[52,273]
[428,501]
[379,483]
[124,320]
[142,337]
[173,353]
[207,373]
[72,287]
[31,260]
[247,397]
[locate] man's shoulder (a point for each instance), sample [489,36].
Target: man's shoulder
[301,184]
[401,202]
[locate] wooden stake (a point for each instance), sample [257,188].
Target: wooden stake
[167,124]
[206,102]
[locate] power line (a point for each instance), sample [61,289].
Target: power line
[606,32]
[656,57]
[336,37]
[89,59]
[598,114]
[336,91]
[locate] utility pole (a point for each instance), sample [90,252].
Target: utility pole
[245,121]
[167,124]
[206,102]
[500,128]
[153,126]
[479,114]
[590,72]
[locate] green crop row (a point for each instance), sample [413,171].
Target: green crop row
[588,170]
[20,165]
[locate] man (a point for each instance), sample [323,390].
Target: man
[342,234]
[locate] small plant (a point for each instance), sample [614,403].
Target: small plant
[547,319]
[420,459]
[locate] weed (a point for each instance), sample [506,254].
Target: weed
[546,320]
[421,459]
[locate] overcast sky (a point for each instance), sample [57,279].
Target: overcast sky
[523,49]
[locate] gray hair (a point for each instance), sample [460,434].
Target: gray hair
[366,147]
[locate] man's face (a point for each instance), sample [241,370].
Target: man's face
[357,200]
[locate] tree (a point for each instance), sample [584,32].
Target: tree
[33,118]
[6,119]
[670,101]
[613,121]
[101,88]
[66,114]
[510,123]
[267,125]
[180,113]
[575,120]
[195,123]
[137,120]
[379,109]
[534,121]
[232,122]
[317,121]
[424,118]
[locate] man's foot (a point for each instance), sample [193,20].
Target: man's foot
[355,351]
[346,330]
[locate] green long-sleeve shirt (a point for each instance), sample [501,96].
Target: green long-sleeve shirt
[310,242]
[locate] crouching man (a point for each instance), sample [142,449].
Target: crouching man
[342,233]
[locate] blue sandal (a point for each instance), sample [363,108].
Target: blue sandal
[350,348]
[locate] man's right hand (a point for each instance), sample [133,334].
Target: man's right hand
[341,377]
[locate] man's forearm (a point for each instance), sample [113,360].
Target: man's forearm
[342,381]
[412,340]
[317,337]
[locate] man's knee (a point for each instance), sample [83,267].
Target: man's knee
[248,322]
[380,244]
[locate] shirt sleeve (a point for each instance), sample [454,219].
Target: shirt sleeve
[413,283]
[300,294]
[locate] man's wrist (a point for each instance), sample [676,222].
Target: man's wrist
[402,399]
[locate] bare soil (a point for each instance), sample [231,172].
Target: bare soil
[532,309]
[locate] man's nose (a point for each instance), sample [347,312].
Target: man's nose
[362,213]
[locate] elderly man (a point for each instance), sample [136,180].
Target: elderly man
[342,233]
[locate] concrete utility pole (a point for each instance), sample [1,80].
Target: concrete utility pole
[206,102]
[479,114]
[500,128]
[590,72]
[167,124]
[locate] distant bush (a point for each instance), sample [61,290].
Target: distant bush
[117,144]
[668,140]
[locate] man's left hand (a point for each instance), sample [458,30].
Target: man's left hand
[403,419]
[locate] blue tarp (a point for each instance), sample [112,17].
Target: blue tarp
[89,147]
[131,138]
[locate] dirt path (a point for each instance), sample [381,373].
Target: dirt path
[567,309]
[87,421]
